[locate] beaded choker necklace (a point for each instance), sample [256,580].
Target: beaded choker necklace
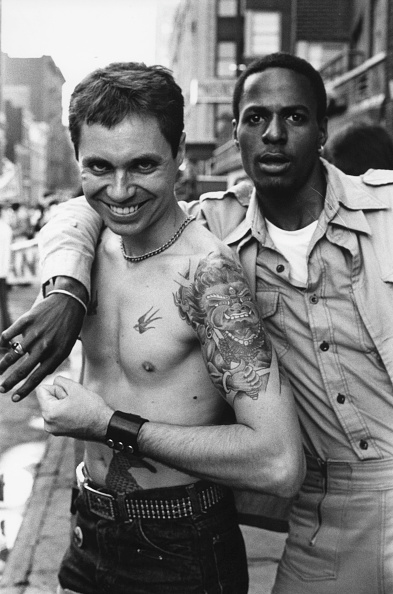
[160,249]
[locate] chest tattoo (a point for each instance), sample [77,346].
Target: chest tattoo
[145,321]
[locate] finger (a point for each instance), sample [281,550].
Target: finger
[35,379]
[60,393]
[9,359]
[15,329]
[19,373]
[45,395]
[64,382]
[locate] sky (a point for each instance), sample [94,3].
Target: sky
[80,35]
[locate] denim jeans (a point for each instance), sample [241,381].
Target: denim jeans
[200,554]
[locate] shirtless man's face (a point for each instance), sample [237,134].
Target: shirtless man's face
[128,176]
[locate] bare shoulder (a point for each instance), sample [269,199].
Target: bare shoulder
[199,242]
[208,262]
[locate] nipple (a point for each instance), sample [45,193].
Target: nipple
[147,366]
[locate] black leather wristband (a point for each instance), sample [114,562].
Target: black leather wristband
[123,430]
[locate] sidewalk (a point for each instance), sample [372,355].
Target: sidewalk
[32,565]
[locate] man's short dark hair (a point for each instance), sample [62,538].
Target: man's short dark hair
[290,62]
[122,89]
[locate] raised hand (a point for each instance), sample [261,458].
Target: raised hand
[42,338]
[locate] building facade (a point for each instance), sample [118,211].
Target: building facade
[36,139]
[360,80]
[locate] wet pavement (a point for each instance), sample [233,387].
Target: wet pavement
[22,444]
[22,440]
[38,475]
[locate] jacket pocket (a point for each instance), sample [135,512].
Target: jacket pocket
[273,316]
[315,526]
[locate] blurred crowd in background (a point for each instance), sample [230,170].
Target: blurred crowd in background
[25,221]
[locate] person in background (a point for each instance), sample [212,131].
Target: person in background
[5,260]
[317,248]
[37,219]
[20,221]
[359,146]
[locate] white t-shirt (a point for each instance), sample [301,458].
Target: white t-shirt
[293,245]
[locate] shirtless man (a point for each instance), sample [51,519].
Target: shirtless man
[173,339]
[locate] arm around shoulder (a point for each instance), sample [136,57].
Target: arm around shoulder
[67,242]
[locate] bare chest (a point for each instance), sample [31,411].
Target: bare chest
[133,323]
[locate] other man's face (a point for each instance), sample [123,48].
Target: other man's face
[278,132]
[128,174]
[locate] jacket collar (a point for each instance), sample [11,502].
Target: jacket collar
[346,199]
[252,224]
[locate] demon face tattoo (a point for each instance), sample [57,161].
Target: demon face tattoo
[216,301]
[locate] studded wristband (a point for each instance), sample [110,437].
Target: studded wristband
[123,430]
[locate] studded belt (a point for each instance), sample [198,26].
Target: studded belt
[152,504]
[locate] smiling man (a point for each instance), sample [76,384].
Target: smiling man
[182,394]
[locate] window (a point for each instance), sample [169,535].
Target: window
[223,122]
[262,32]
[226,59]
[318,54]
[227,8]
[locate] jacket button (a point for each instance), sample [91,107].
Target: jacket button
[314,299]
[341,398]
[280,268]
[363,444]
[324,346]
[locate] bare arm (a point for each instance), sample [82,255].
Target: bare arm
[262,450]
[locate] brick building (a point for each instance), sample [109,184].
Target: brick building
[35,136]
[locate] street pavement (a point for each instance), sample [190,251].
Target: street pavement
[32,564]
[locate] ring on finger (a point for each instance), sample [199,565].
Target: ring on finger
[18,348]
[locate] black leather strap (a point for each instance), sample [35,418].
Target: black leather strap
[123,430]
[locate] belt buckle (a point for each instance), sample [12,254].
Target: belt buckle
[102,504]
